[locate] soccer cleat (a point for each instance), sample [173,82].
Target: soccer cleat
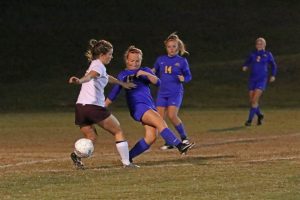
[183,148]
[248,123]
[260,120]
[185,141]
[77,161]
[166,147]
[131,166]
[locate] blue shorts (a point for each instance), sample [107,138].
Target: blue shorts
[261,85]
[139,110]
[175,100]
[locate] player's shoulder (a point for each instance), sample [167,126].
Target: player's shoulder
[97,63]
[161,58]
[182,60]
[269,53]
[122,73]
[144,68]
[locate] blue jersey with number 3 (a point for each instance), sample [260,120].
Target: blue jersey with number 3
[168,69]
[139,95]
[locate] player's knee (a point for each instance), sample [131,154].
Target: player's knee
[174,118]
[162,125]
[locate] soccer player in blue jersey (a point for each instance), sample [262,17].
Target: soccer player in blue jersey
[173,71]
[141,104]
[258,62]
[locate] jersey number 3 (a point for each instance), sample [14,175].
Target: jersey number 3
[168,69]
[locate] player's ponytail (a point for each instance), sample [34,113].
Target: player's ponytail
[132,49]
[96,48]
[181,46]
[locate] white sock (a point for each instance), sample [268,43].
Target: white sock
[123,150]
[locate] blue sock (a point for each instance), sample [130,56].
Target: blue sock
[252,112]
[181,131]
[169,137]
[138,148]
[258,112]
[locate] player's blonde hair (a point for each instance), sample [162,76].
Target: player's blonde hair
[96,48]
[132,49]
[181,46]
[261,39]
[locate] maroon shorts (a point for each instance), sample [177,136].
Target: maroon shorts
[90,114]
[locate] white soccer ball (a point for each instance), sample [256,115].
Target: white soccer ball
[84,148]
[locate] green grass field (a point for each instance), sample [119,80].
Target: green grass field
[229,161]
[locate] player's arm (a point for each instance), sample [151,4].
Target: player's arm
[155,69]
[86,78]
[125,85]
[247,63]
[113,95]
[186,73]
[150,76]
[273,68]
[114,92]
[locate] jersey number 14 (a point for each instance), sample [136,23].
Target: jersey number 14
[168,69]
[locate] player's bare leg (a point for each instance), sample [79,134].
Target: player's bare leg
[254,97]
[112,125]
[255,103]
[162,112]
[177,123]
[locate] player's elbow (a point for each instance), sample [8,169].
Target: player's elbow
[158,82]
[188,78]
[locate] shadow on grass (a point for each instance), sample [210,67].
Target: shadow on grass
[195,160]
[220,130]
[178,162]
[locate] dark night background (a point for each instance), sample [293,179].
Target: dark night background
[43,44]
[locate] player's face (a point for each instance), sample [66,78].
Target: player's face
[260,45]
[106,58]
[134,61]
[172,48]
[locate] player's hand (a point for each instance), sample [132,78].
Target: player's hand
[128,85]
[245,69]
[272,79]
[141,73]
[74,80]
[181,78]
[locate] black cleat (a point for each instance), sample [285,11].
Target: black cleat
[77,161]
[260,120]
[248,123]
[183,148]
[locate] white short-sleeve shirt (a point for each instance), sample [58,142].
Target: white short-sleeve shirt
[92,92]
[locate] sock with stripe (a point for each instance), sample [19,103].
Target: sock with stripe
[140,147]
[180,129]
[169,137]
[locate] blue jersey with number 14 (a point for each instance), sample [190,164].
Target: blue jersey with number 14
[168,69]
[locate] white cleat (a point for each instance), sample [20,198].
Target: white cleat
[186,141]
[166,147]
[131,166]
